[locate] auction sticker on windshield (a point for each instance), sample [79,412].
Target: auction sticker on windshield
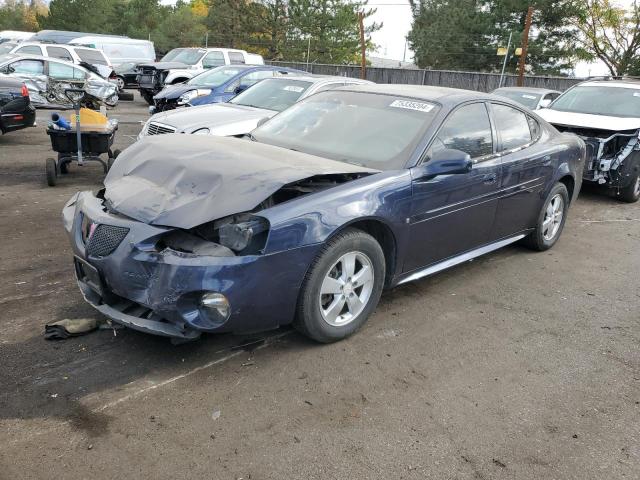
[409,105]
[293,88]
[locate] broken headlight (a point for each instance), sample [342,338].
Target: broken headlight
[191,94]
[239,236]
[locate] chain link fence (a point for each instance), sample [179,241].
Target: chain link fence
[483,82]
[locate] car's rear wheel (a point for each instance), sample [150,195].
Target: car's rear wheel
[631,193]
[342,287]
[551,220]
[120,82]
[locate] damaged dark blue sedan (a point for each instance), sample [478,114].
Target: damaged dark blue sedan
[306,222]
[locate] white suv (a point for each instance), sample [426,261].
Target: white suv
[69,53]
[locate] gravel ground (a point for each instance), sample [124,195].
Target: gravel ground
[517,365]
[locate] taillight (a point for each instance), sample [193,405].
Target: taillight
[24,91]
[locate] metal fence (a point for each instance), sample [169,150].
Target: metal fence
[483,82]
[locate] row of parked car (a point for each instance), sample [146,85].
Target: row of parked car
[303,197]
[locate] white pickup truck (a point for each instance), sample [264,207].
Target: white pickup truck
[181,64]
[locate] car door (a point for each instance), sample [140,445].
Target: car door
[526,169]
[451,214]
[31,72]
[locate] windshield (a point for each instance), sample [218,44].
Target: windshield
[527,99]
[610,100]
[273,94]
[376,131]
[215,77]
[189,56]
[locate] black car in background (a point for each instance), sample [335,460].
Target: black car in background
[127,75]
[16,111]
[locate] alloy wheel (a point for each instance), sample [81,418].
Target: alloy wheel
[346,289]
[553,217]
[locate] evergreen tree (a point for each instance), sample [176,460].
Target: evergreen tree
[465,34]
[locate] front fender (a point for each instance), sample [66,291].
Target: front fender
[308,220]
[181,73]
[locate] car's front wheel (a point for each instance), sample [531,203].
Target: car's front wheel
[551,220]
[342,287]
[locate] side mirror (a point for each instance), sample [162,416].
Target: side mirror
[544,103]
[240,88]
[445,162]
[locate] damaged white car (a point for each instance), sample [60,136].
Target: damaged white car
[606,115]
[47,79]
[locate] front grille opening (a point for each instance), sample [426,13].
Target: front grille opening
[157,129]
[105,240]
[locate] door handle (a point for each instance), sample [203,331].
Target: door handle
[489,178]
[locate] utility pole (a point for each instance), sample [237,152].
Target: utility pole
[525,45]
[506,57]
[363,48]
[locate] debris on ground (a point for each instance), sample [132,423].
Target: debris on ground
[69,327]
[216,414]
[499,463]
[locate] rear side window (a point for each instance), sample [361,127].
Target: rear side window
[468,129]
[512,126]
[30,50]
[94,57]
[213,59]
[60,71]
[236,58]
[59,52]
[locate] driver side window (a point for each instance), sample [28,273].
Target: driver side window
[467,129]
[27,67]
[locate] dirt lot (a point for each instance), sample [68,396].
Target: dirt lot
[517,365]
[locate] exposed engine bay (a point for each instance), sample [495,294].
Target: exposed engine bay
[244,233]
[606,151]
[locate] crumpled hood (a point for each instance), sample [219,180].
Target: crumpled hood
[184,181]
[585,120]
[212,116]
[174,91]
[164,65]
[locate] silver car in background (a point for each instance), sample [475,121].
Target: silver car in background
[245,111]
[533,98]
[48,78]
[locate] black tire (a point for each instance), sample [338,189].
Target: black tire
[63,165]
[121,83]
[52,173]
[536,240]
[309,319]
[631,193]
